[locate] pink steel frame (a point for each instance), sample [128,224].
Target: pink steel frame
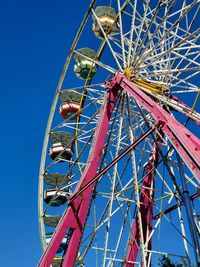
[146,210]
[185,143]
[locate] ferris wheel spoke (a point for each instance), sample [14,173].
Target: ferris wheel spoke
[88,87]
[176,30]
[144,52]
[132,32]
[152,44]
[188,30]
[176,71]
[170,31]
[117,42]
[126,223]
[173,59]
[182,59]
[112,194]
[102,222]
[140,227]
[111,264]
[189,85]
[138,37]
[163,214]
[185,40]
[121,34]
[153,22]
[97,62]
[191,181]
[107,41]
[153,58]
[187,65]
[141,27]
[93,234]
[140,122]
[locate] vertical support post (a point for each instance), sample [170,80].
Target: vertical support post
[188,207]
[146,210]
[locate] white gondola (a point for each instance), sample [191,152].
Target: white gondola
[62,146]
[106,16]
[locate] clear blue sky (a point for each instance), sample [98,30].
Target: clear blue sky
[35,38]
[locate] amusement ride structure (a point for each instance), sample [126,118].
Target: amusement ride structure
[120,166]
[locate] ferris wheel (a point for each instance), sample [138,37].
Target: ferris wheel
[120,166]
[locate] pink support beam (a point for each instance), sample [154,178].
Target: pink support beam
[146,210]
[184,142]
[187,109]
[75,215]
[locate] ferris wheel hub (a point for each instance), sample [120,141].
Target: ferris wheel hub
[144,84]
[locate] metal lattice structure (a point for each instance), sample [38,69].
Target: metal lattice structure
[120,186]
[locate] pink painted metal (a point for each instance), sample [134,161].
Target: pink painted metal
[75,214]
[146,210]
[184,142]
[187,109]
